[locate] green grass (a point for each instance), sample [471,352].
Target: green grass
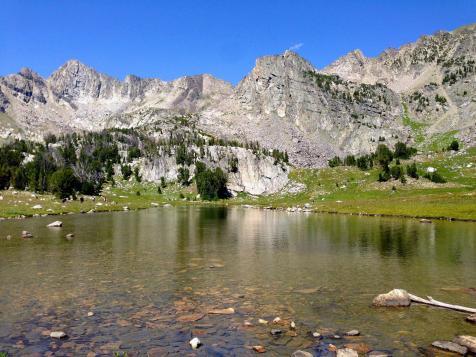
[439,142]
[418,129]
[340,189]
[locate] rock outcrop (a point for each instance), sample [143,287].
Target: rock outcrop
[284,102]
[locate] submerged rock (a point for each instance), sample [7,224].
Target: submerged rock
[466,341]
[450,346]
[195,343]
[227,311]
[347,352]
[352,333]
[58,334]
[55,224]
[276,332]
[26,234]
[70,236]
[471,318]
[378,354]
[259,349]
[396,297]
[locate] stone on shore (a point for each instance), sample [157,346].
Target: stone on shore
[450,346]
[346,352]
[396,297]
[55,224]
[466,341]
[301,354]
[58,334]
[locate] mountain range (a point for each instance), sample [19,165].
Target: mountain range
[419,93]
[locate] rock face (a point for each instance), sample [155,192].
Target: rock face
[347,352]
[284,102]
[466,341]
[396,297]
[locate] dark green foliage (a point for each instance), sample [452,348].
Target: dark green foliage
[323,81]
[349,160]
[384,176]
[434,177]
[4,178]
[412,171]
[365,162]
[133,153]
[440,99]
[279,156]
[183,157]
[233,164]
[183,176]
[335,161]
[396,172]
[159,190]
[454,145]
[126,171]
[383,155]
[136,174]
[211,184]
[163,184]
[403,180]
[20,178]
[63,183]
[402,151]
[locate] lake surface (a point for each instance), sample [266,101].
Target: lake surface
[146,274]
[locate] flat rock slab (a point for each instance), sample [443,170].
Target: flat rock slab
[394,298]
[450,346]
[228,311]
[58,334]
[466,341]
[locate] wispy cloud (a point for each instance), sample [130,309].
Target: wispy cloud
[296,47]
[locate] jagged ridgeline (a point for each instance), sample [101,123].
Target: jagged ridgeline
[421,94]
[68,164]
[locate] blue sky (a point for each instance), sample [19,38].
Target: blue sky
[169,39]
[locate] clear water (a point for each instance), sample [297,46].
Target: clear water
[145,273]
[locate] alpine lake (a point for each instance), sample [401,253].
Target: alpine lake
[146,282]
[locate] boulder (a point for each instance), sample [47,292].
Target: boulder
[195,343]
[301,354]
[55,224]
[450,346]
[396,297]
[346,352]
[466,341]
[259,349]
[37,207]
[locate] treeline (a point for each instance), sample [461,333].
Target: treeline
[389,163]
[79,164]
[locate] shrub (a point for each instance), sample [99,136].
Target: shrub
[233,164]
[335,161]
[383,155]
[396,172]
[183,176]
[133,153]
[4,178]
[412,171]
[401,151]
[434,177]
[20,179]
[63,183]
[211,184]
[136,174]
[454,146]
[126,172]
[163,184]
[349,160]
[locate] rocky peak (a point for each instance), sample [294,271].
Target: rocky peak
[75,79]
